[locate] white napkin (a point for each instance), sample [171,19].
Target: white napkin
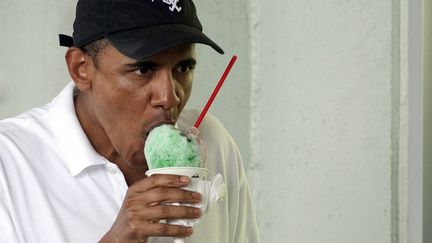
[211,192]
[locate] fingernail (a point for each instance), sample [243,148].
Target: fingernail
[184,179]
[196,195]
[189,230]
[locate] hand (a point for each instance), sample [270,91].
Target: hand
[145,205]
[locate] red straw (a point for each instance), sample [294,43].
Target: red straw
[215,91]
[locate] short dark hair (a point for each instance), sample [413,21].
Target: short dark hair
[94,48]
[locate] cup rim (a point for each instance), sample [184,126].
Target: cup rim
[163,169]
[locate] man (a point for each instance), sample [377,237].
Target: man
[74,170]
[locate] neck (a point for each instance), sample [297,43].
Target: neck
[92,128]
[131,174]
[101,142]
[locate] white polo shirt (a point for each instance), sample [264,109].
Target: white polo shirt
[54,187]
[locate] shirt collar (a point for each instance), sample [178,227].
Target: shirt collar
[71,139]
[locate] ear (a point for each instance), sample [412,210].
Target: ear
[80,67]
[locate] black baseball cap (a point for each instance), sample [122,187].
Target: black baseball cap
[137,28]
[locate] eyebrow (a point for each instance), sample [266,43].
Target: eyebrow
[142,63]
[189,61]
[152,64]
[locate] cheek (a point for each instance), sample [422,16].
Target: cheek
[116,94]
[124,126]
[186,88]
[107,102]
[119,108]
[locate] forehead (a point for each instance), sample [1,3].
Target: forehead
[172,55]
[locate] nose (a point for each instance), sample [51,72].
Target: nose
[164,93]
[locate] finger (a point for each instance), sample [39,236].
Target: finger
[171,212]
[166,194]
[160,229]
[160,180]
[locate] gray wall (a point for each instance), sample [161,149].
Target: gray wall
[427,109]
[32,69]
[325,121]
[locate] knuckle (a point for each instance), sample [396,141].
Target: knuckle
[162,210]
[190,211]
[163,179]
[129,205]
[162,191]
[187,194]
[130,211]
[170,180]
[173,180]
[133,229]
[131,219]
[152,180]
[130,215]
[162,229]
[137,229]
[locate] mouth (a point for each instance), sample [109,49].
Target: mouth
[156,124]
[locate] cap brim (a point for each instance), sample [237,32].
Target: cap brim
[145,42]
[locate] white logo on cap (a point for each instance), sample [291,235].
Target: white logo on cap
[173,5]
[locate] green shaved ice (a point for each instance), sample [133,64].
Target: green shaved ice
[167,147]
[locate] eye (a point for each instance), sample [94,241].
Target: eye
[145,71]
[185,68]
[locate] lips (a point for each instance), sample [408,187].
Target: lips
[158,118]
[156,124]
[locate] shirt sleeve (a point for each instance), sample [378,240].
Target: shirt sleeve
[7,230]
[247,229]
